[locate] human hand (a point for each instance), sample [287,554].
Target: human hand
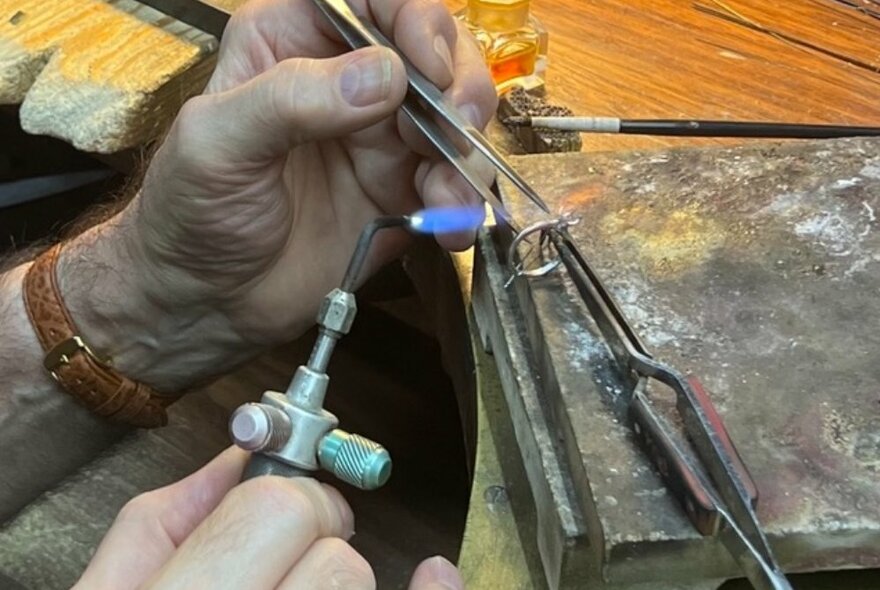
[263,184]
[251,207]
[267,533]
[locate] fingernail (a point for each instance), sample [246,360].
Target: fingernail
[366,80]
[441,48]
[445,574]
[472,114]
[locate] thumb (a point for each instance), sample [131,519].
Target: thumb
[436,574]
[296,101]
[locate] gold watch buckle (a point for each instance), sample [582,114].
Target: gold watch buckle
[61,353]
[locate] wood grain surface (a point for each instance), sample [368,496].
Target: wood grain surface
[807,61]
[663,58]
[670,59]
[103,76]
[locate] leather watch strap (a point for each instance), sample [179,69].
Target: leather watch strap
[93,383]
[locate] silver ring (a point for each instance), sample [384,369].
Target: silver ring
[542,227]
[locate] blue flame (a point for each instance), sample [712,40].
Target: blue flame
[444,220]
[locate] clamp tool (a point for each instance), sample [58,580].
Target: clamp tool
[717,493]
[714,488]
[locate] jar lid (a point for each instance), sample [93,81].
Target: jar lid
[499,15]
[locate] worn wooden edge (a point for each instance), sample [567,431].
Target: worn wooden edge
[560,527]
[438,287]
[72,85]
[492,554]
[563,427]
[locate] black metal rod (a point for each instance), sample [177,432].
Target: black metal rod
[204,15]
[694,127]
[363,248]
[742,129]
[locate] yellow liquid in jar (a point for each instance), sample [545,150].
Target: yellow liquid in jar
[513,43]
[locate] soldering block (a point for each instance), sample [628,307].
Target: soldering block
[519,103]
[725,261]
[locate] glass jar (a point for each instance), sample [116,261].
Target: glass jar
[513,42]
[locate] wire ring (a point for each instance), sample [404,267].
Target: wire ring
[542,227]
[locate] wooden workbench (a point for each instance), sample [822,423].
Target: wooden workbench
[643,59]
[124,69]
[104,76]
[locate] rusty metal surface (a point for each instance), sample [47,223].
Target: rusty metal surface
[757,269]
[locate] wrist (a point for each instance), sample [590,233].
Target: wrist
[30,383]
[151,333]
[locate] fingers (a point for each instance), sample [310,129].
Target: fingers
[436,574]
[442,186]
[330,563]
[422,29]
[151,526]
[426,33]
[264,32]
[257,533]
[437,182]
[473,91]
[296,101]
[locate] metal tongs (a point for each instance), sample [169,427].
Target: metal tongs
[726,508]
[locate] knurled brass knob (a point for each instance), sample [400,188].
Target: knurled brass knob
[355,459]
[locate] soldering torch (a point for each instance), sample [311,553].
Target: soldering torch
[290,433]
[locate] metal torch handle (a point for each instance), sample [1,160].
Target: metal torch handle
[262,465]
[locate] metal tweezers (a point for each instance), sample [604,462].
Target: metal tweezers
[725,509]
[424,99]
